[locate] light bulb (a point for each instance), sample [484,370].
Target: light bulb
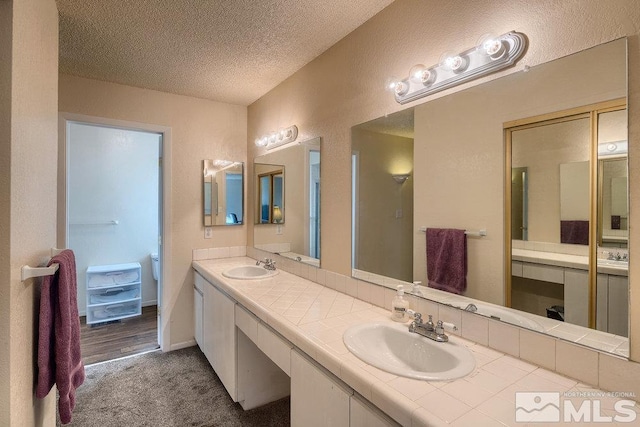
[494,48]
[455,63]
[273,137]
[421,74]
[261,142]
[391,83]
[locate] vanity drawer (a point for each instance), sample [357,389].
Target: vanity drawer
[277,349]
[247,323]
[545,273]
[516,268]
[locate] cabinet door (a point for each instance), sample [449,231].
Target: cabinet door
[223,339]
[576,297]
[364,415]
[316,399]
[198,302]
[208,322]
[602,302]
[619,305]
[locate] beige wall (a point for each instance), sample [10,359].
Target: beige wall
[344,87]
[384,242]
[6,18]
[28,112]
[200,129]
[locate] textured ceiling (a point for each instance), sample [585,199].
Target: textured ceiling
[231,51]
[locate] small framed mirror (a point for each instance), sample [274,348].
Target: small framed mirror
[223,192]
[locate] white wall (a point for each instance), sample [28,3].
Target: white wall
[113,175]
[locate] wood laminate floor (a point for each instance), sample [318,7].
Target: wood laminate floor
[123,338]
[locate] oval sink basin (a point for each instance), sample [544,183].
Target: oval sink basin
[394,349]
[248,272]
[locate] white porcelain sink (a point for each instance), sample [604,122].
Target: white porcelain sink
[249,272]
[508,316]
[394,349]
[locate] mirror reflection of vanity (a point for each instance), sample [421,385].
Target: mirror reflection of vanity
[287,202]
[223,192]
[460,179]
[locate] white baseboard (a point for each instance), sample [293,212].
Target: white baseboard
[148,303]
[184,344]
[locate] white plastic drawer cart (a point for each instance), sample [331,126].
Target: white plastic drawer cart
[113,292]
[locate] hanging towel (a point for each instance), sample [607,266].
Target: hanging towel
[447,259]
[574,232]
[59,359]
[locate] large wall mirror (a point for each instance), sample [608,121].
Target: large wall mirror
[564,200]
[223,192]
[287,202]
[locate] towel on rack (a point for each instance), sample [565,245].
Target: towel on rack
[59,359]
[447,259]
[574,232]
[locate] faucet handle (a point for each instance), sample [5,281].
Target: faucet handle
[439,328]
[418,318]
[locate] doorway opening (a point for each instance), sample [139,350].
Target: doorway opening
[114,224]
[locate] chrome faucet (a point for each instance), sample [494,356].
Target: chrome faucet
[471,308]
[428,330]
[269,264]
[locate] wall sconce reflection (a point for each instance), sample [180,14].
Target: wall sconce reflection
[400,178]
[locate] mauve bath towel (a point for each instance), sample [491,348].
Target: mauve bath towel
[447,259]
[59,359]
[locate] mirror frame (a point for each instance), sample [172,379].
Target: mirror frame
[590,111]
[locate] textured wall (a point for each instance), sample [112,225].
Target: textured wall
[32,200]
[200,129]
[6,17]
[343,86]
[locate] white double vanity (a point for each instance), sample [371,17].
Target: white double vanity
[270,337]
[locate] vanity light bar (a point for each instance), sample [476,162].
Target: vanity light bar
[491,55]
[276,139]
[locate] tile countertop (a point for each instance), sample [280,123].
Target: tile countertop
[579,262]
[313,318]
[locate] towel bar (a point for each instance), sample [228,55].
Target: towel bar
[27,272]
[479,233]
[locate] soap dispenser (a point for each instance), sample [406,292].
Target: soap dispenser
[399,306]
[417,291]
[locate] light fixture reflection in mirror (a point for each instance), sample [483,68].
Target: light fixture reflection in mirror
[400,178]
[223,192]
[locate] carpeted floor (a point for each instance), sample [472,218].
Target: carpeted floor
[177,388]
